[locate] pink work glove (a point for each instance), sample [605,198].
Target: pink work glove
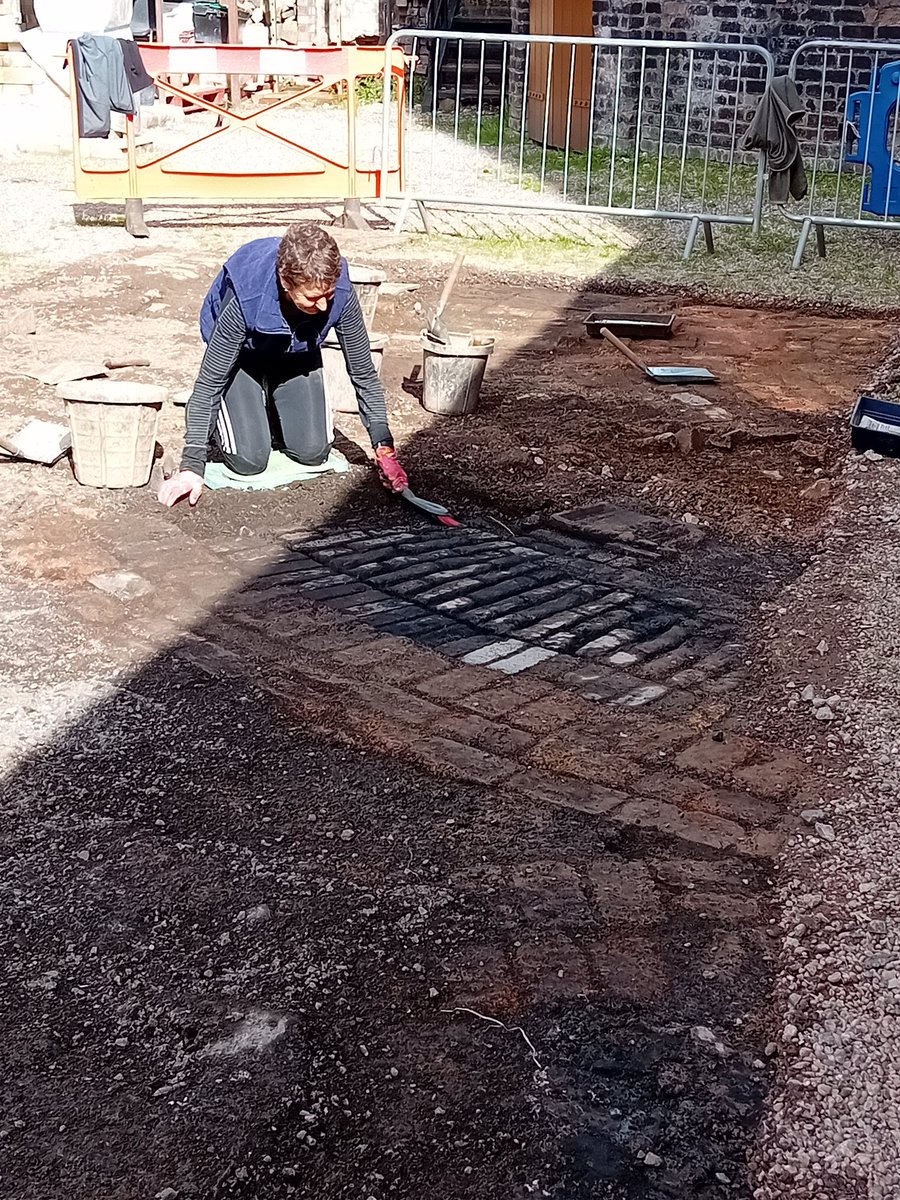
[392,474]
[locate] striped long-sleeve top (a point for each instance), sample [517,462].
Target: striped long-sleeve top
[220,361]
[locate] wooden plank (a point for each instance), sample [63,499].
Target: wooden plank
[16,75]
[541,22]
[234,37]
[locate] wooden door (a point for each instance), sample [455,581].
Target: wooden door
[563,18]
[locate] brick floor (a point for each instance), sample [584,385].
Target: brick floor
[468,722]
[319,627]
[461,760]
[487,735]
[547,788]
[456,684]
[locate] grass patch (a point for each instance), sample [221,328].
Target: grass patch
[604,175]
[860,269]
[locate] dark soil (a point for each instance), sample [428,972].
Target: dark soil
[564,420]
[236,953]
[140,967]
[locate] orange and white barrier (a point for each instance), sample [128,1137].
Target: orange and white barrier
[308,169]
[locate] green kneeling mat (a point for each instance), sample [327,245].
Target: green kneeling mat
[280,471]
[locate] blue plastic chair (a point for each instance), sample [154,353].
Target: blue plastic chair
[872,113]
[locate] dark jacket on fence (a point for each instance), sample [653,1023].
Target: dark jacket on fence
[773,129]
[106,81]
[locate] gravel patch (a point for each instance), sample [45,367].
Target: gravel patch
[833,1129]
[36,704]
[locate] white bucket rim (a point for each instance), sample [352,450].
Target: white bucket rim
[462,349]
[362,274]
[112,391]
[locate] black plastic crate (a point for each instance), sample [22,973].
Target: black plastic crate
[875,425]
[210,23]
[631,325]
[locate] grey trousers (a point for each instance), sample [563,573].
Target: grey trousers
[274,402]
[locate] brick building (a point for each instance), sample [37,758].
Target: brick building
[779,26]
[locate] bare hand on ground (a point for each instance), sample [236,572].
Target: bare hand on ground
[179,485]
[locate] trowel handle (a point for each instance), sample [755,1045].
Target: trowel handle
[116,364]
[623,349]
[450,284]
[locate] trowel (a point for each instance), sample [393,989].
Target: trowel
[660,374]
[437,511]
[438,330]
[71,369]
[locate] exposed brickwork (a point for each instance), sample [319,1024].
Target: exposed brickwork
[599,618]
[486,735]
[465,762]
[547,788]
[580,756]
[546,742]
[592,766]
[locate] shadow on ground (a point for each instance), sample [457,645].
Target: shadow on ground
[255,949]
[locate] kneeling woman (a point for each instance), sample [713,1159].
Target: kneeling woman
[261,379]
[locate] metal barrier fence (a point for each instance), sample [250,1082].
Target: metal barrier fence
[850,138]
[607,126]
[282,150]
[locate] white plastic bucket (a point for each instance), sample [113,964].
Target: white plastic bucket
[338,385]
[113,426]
[452,373]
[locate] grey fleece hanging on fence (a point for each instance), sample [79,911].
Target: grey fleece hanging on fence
[109,75]
[773,129]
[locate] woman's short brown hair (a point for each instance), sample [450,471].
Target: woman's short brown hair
[308,255]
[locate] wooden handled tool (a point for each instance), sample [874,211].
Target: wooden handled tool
[660,374]
[623,349]
[438,327]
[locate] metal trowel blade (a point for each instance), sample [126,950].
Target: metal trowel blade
[428,506]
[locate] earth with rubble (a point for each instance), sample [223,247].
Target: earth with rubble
[347,855]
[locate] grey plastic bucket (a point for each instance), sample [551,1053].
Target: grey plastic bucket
[452,373]
[338,385]
[367,284]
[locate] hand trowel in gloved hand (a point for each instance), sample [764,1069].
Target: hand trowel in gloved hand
[440,514]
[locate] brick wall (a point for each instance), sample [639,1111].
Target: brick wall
[777,25]
[519,16]
[492,10]
[780,26]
